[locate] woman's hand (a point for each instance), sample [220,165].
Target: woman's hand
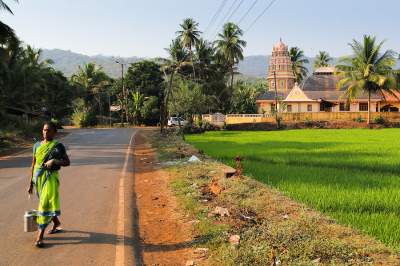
[30,188]
[49,164]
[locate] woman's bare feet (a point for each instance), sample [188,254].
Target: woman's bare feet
[39,239]
[56,226]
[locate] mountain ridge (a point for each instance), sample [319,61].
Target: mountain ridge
[66,61]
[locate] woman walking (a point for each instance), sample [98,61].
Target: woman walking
[48,157]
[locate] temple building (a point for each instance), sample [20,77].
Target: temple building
[318,93]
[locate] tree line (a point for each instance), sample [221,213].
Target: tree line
[198,76]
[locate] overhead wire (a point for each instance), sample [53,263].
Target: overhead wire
[216,15]
[221,23]
[247,12]
[259,16]
[234,11]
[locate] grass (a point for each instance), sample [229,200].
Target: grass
[350,175]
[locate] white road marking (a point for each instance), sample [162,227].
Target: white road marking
[120,248]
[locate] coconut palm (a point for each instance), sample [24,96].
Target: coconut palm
[298,61]
[368,69]
[204,58]
[5,30]
[91,79]
[230,47]
[189,35]
[178,59]
[322,59]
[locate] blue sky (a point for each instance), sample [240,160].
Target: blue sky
[145,27]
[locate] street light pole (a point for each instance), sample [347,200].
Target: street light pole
[124,105]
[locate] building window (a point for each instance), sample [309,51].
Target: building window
[309,107]
[363,107]
[343,107]
[289,108]
[273,107]
[322,107]
[282,85]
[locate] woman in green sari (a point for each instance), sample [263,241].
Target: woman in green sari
[48,157]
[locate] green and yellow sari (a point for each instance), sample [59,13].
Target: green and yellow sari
[46,184]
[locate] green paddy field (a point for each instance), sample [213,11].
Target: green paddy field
[351,175]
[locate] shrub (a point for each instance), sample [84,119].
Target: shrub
[379,120]
[359,119]
[308,122]
[83,116]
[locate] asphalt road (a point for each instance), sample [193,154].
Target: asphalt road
[89,203]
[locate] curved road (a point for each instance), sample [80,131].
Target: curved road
[90,203]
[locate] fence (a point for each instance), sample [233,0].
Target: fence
[229,119]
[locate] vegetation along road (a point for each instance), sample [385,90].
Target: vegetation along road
[351,175]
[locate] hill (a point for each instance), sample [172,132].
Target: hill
[68,62]
[254,66]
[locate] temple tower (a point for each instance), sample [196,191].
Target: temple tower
[281,64]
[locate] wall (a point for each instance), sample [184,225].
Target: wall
[301,117]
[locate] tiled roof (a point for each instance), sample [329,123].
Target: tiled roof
[321,83]
[391,97]
[270,95]
[323,87]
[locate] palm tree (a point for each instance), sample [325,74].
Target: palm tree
[5,30]
[322,59]
[189,36]
[91,79]
[137,104]
[230,47]
[204,57]
[367,70]
[298,61]
[178,56]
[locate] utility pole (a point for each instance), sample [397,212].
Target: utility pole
[109,108]
[276,102]
[124,104]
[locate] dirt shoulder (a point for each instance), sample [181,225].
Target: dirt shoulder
[240,221]
[165,234]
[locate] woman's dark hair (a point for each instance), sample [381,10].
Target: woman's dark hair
[51,125]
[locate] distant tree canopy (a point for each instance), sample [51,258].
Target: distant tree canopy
[145,77]
[31,85]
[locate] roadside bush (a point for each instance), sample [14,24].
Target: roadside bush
[379,120]
[359,119]
[83,116]
[192,128]
[308,122]
[199,127]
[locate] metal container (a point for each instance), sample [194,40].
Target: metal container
[30,224]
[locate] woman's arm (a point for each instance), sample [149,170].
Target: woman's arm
[30,187]
[63,161]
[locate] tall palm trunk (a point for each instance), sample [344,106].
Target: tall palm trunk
[369,107]
[166,98]
[191,58]
[232,74]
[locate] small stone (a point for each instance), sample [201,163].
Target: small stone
[285,216]
[221,211]
[155,198]
[190,263]
[201,252]
[316,261]
[194,159]
[234,240]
